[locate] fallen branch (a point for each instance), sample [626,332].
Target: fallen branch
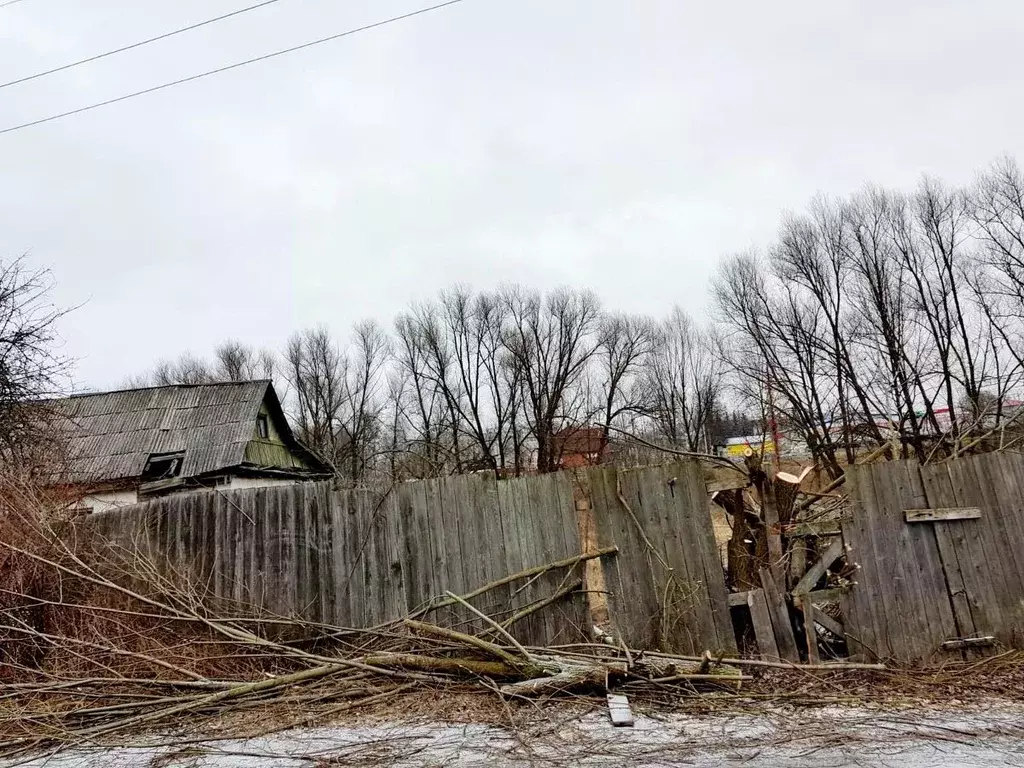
[524,574]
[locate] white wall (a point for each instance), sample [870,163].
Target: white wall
[104,502]
[237,483]
[108,500]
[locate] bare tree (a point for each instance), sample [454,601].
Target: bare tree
[316,372]
[361,404]
[187,369]
[551,342]
[624,344]
[31,369]
[683,382]
[235,361]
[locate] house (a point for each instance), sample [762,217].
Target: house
[126,446]
[575,447]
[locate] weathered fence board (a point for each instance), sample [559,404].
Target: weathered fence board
[667,585]
[923,582]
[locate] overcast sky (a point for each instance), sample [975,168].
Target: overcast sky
[619,145]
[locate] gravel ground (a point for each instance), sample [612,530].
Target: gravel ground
[824,738]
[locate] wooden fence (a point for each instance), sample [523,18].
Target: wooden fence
[940,550]
[357,558]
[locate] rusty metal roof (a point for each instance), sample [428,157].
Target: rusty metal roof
[113,434]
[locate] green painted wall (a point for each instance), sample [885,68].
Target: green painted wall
[271,450]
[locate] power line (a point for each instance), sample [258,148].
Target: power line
[229,67]
[9,2]
[135,45]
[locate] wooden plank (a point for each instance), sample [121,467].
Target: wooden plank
[490,548]
[770,511]
[594,584]
[626,619]
[810,632]
[558,515]
[731,483]
[571,612]
[513,540]
[785,640]
[832,595]
[470,535]
[709,567]
[818,616]
[992,482]
[737,599]
[911,602]
[933,615]
[254,537]
[359,592]
[421,540]
[953,547]
[859,618]
[678,623]
[979,552]
[342,615]
[619,712]
[799,552]
[941,513]
[763,629]
[878,594]
[534,509]
[955,582]
[325,549]
[962,643]
[816,571]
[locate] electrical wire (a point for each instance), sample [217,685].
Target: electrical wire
[136,45]
[230,67]
[9,2]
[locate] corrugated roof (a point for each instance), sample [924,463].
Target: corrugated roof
[112,434]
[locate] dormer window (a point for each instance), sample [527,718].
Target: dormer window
[262,426]
[163,466]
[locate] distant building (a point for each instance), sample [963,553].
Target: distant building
[736,447]
[129,445]
[575,447]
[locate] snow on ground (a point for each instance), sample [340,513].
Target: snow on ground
[823,738]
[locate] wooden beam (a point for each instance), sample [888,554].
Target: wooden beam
[827,595]
[816,571]
[941,513]
[762,621]
[810,632]
[738,598]
[830,595]
[770,513]
[781,622]
[814,614]
[729,484]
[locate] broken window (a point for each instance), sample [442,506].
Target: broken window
[262,426]
[161,466]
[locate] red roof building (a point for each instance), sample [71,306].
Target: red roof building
[575,447]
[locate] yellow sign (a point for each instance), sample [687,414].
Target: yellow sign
[740,449]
